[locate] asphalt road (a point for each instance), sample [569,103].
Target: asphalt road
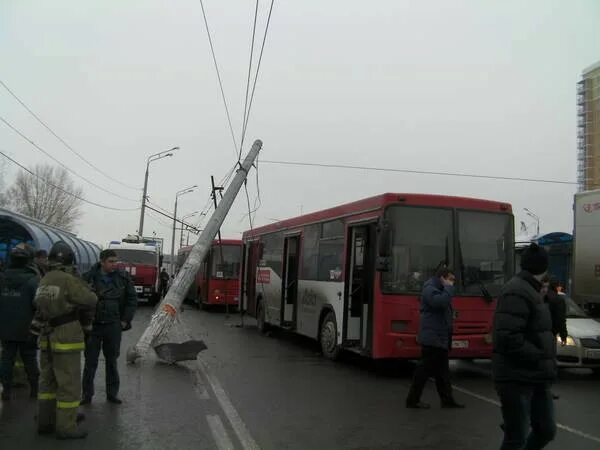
[249,391]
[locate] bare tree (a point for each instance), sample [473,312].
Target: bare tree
[3,196]
[43,196]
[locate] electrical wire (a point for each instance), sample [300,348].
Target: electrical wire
[414,171]
[45,125]
[212,49]
[262,48]
[249,76]
[78,197]
[8,124]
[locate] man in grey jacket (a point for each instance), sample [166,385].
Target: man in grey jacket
[435,337]
[524,358]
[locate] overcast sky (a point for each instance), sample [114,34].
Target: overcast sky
[485,87]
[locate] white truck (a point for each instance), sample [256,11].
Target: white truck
[586,251]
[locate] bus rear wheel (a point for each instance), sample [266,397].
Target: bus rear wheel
[328,337]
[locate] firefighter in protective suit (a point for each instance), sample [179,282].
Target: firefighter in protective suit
[65,306]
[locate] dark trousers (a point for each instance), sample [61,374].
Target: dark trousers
[434,363]
[28,352]
[105,336]
[525,407]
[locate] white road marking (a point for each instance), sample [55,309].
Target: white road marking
[219,433]
[238,425]
[560,426]
[199,387]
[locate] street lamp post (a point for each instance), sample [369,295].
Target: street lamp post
[183,225]
[535,217]
[151,158]
[177,195]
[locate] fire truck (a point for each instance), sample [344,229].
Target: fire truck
[141,258]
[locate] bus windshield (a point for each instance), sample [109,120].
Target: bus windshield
[421,240]
[425,238]
[226,262]
[136,256]
[484,252]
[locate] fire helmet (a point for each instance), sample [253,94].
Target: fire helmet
[61,253]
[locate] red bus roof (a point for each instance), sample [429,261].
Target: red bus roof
[379,202]
[214,243]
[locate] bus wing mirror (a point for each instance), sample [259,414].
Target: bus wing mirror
[385,239]
[160,260]
[383,264]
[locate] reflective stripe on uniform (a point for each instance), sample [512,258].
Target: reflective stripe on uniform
[60,347]
[19,364]
[67,405]
[46,396]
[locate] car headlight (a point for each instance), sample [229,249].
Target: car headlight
[570,342]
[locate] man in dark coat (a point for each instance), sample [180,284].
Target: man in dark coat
[435,337]
[17,293]
[524,356]
[117,302]
[164,282]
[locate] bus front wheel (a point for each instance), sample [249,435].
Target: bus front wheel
[328,337]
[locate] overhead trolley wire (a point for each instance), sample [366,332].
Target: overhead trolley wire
[78,197]
[79,155]
[249,77]
[262,48]
[420,172]
[212,49]
[26,138]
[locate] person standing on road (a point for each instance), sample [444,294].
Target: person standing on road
[17,293]
[164,282]
[435,338]
[117,302]
[65,306]
[524,356]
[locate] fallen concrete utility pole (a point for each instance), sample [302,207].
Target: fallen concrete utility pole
[166,313]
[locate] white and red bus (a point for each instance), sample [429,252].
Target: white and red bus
[351,276]
[218,280]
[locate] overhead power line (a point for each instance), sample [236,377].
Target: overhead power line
[78,197]
[212,50]
[249,77]
[262,48]
[421,172]
[79,155]
[26,138]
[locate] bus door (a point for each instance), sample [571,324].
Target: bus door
[289,291]
[252,258]
[358,304]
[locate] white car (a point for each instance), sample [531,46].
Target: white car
[582,348]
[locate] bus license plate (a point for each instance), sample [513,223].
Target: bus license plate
[460,344]
[592,354]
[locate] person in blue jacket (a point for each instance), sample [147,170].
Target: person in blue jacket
[435,337]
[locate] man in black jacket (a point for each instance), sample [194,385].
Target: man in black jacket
[117,302]
[524,356]
[17,292]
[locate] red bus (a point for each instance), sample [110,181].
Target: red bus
[351,276]
[217,282]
